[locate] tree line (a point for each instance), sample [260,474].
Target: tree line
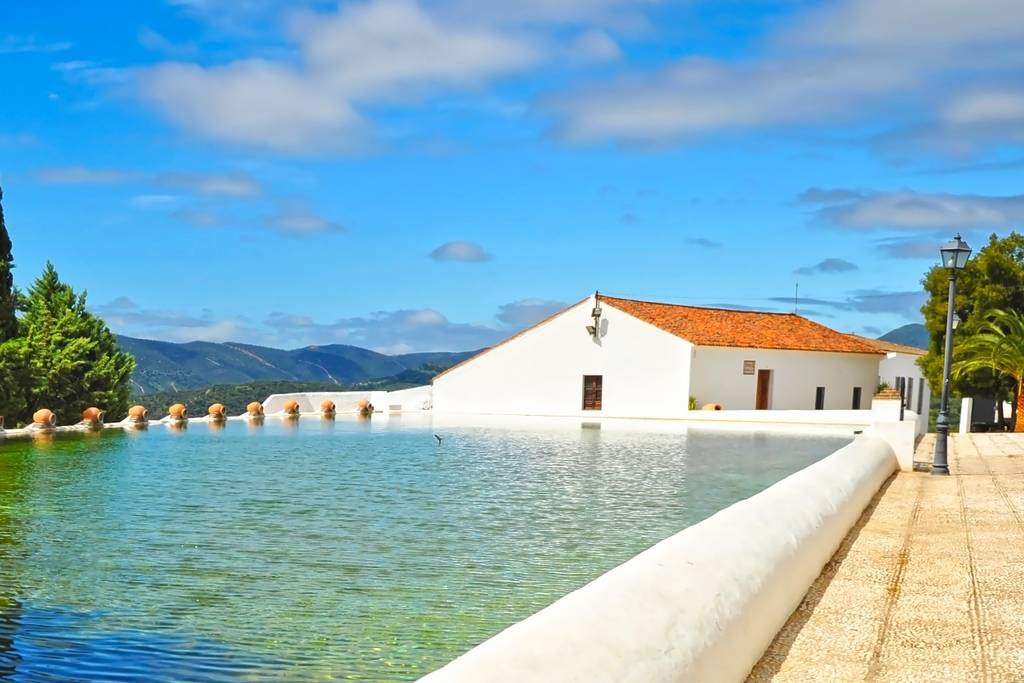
[988,346]
[53,352]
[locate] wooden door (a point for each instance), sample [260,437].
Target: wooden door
[593,388]
[764,382]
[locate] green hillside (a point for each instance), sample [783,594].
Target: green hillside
[165,366]
[911,335]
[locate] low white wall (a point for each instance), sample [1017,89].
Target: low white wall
[412,400]
[309,402]
[702,605]
[415,399]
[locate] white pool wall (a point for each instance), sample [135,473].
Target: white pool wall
[415,399]
[702,605]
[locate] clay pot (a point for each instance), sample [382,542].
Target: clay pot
[327,407]
[217,411]
[93,416]
[44,417]
[712,406]
[363,404]
[138,414]
[178,411]
[291,408]
[254,409]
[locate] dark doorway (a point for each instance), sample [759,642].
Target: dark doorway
[764,385]
[593,388]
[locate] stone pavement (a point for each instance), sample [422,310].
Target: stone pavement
[928,586]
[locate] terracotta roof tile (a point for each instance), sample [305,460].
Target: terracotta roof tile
[891,347]
[741,329]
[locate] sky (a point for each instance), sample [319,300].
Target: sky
[410,175]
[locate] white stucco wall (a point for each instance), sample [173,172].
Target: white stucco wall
[645,370]
[702,605]
[905,365]
[718,377]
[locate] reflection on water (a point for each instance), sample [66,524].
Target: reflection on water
[349,549]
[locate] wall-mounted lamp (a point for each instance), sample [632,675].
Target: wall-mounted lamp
[593,330]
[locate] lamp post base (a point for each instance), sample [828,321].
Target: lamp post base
[940,463]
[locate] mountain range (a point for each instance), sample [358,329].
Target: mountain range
[167,366]
[911,335]
[164,366]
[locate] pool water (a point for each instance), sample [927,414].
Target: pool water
[350,550]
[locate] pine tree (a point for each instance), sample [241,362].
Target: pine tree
[8,295]
[72,356]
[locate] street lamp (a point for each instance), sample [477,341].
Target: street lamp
[954,257]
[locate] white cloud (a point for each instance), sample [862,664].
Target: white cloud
[906,209]
[829,265]
[199,217]
[231,185]
[467,252]
[149,201]
[256,103]
[400,331]
[152,40]
[384,49]
[594,47]
[413,329]
[366,53]
[623,15]
[12,44]
[906,304]
[82,175]
[986,107]
[830,65]
[127,317]
[298,220]
[526,312]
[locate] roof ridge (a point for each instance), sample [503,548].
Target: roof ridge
[703,308]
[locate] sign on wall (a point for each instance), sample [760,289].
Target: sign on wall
[748,367]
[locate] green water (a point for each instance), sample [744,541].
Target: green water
[351,551]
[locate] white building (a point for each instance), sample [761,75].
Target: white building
[899,369]
[625,358]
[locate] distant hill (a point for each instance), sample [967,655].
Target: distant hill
[914,334]
[166,366]
[236,397]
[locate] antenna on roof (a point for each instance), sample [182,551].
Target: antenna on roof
[796,299]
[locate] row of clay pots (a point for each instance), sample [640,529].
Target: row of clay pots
[215,412]
[179,412]
[44,418]
[327,407]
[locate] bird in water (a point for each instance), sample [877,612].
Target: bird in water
[438,439]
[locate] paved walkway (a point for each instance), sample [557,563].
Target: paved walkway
[929,586]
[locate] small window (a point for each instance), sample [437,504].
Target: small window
[592,390]
[856,398]
[819,398]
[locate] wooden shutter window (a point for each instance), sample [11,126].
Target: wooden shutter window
[592,390]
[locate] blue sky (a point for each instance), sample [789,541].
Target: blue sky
[428,175]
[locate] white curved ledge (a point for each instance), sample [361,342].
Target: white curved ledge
[702,605]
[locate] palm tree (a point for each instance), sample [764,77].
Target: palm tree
[997,345]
